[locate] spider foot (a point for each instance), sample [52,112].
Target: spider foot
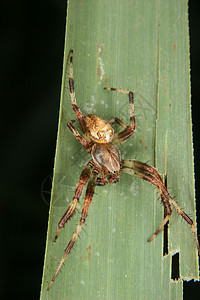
[160,227]
[57,234]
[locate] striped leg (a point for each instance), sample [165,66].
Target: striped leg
[87,202]
[129,130]
[77,135]
[118,121]
[140,166]
[188,220]
[165,220]
[150,174]
[79,114]
[103,180]
[85,175]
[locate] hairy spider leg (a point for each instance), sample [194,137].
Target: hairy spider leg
[79,114]
[143,167]
[136,164]
[77,135]
[188,220]
[87,201]
[118,121]
[165,220]
[165,197]
[103,180]
[85,175]
[150,178]
[129,130]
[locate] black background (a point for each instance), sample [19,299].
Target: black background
[32,42]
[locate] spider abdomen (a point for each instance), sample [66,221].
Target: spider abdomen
[107,156]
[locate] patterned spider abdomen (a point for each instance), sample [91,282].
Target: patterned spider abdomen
[107,156]
[99,130]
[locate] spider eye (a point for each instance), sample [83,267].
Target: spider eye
[99,130]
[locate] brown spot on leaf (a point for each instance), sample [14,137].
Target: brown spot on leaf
[89,251]
[98,71]
[174,46]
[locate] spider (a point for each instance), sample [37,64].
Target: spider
[105,166]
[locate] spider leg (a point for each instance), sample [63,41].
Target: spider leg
[85,175]
[77,135]
[165,220]
[188,220]
[150,174]
[87,201]
[129,130]
[100,180]
[103,180]
[131,167]
[79,114]
[118,121]
[140,166]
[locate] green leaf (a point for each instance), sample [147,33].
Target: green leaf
[141,46]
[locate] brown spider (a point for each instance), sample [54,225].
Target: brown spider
[100,141]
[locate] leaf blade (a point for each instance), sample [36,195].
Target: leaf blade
[114,259]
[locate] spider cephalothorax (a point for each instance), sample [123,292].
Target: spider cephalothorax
[100,131]
[105,154]
[106,164]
